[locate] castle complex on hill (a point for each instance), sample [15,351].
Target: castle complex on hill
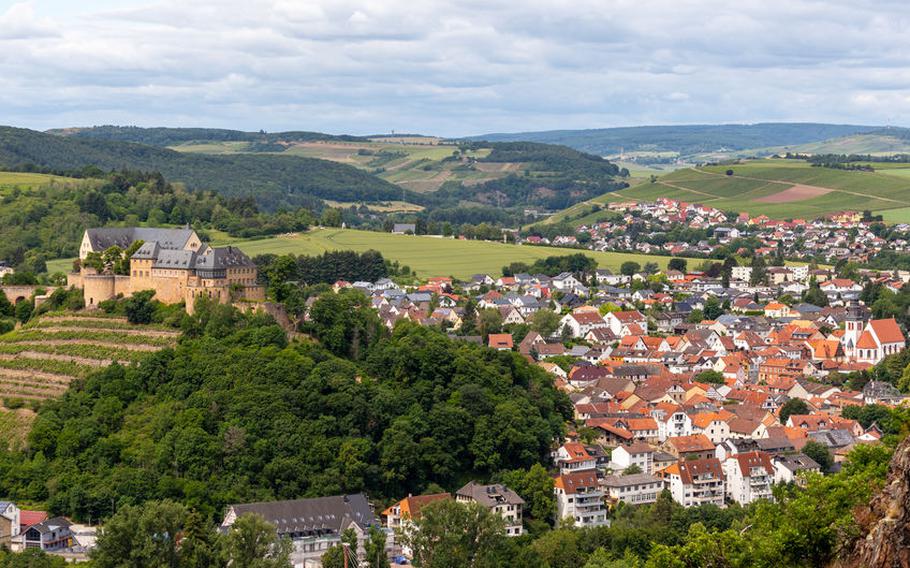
[174,263]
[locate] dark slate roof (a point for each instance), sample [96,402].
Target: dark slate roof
[123,237]
[797,462]
[223,257]
[148,251]
[51,525]
[181,259]
[490,495]
[335,513]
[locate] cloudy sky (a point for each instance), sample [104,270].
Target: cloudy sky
[451,68]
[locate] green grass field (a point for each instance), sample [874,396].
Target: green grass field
[763,179]
[11,180]
[430,256]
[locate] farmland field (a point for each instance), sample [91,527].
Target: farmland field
[764,187]
[419,164]
[430,256]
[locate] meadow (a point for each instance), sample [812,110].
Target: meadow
[20,180]
[431,256]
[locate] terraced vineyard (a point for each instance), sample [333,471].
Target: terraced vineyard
[41,359]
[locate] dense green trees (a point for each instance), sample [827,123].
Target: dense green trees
[793,406]
[235,413]
[47,221]
[165,533]
[454,534]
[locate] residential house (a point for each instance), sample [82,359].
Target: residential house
[695,446]
[52,535]
[580,497]
[749,477]
[498,499]
[695,482]
[634,489]
[500,341]
[637,453]
[312,525]
[400,517]
[789,467]
[10,522]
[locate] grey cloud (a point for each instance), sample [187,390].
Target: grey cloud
[455,68]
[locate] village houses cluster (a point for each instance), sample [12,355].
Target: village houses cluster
[677,379]
[847,235]
[667,401]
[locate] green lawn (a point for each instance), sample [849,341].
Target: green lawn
[430,256]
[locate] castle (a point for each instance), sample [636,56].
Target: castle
[173,262]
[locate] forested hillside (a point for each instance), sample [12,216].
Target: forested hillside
[234,413]
[162,136]
[47,221]
[273,180]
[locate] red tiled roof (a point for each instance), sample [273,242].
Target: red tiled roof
[887,330]
[571,482]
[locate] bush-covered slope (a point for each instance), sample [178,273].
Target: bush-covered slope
[274,180]
[234,413]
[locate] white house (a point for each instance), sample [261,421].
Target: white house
[582,321]
[634,489]
[498,499]
[637,453]
[749,477]
[572,457]
[787,468]
[696,482]
[620,321]
[677,424]
[579,496]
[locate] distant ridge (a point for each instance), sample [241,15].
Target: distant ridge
[273,180]
[686,139]
[167,136]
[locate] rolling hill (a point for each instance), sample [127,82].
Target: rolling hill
[780,188]
[500,174]
[685,140]
[274,180]
[886,141]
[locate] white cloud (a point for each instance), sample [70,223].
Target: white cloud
[452,68]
